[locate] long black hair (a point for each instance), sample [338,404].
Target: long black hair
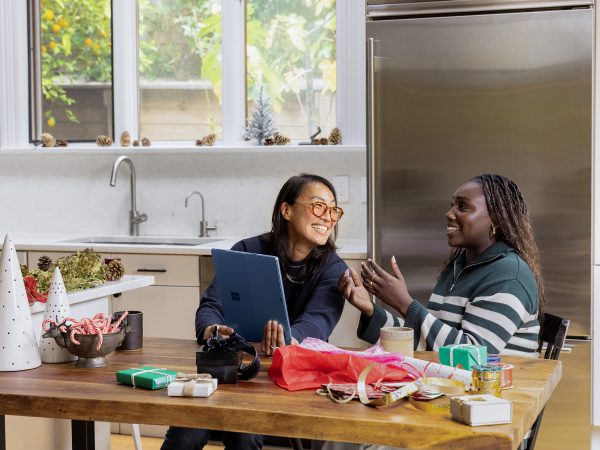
[278,238]
[509,215]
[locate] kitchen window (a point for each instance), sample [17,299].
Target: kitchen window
[72,73]
[129,86]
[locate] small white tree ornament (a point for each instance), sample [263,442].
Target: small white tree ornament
[18,346]
[261,125]
[57,309]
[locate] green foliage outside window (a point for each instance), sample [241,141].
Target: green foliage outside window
[289,43]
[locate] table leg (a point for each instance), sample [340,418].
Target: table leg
[82,435]
[2,433]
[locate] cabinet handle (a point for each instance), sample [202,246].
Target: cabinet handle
[153,270]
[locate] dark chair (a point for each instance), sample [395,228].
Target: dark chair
[553,334]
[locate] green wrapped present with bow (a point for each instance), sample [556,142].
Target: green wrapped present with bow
[146,377]
[464,356]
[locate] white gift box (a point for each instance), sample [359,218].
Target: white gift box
[203,387]
[481,409]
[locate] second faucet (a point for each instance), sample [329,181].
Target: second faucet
[204,228]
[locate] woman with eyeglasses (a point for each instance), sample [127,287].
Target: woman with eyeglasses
[304,226]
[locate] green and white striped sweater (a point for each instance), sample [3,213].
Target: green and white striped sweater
[493,301]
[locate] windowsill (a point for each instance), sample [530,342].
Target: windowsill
[179,148]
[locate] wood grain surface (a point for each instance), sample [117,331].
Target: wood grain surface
[259,406]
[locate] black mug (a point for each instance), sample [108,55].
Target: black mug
[135,337]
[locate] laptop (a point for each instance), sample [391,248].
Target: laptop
[251,292]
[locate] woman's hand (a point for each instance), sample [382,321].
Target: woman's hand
[389,288]
[351,287]
[224,331]
[273,337]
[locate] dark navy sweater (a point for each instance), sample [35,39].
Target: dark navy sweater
[314,306]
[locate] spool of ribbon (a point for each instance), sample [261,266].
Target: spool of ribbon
[387,399]
[506,377]
[191,379]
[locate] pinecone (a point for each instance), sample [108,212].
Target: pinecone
[146,142]
[200,142]
[209,139]
[323,141]
[115,270]
[136,143]
[335,137]
[62,143]
[125,139]
[48,140]
[280,139]
[104,141]
[44,263]
[269,141]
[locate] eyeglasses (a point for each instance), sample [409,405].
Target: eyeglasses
[319,209]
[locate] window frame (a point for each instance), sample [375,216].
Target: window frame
[15,114]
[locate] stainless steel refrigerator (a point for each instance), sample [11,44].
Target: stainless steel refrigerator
[457,88]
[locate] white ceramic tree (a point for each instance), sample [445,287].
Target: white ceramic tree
[57,309]
[18,346]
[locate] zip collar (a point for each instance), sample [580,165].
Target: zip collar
[493,252]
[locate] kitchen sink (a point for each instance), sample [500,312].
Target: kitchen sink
[143,240]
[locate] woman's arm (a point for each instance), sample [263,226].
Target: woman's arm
[324,308]
[491,318]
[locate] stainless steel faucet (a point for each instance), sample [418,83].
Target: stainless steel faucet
[135,218]
[204,228]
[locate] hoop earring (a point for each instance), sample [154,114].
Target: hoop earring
[493,232]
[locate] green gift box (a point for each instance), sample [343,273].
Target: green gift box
[465,356]
[146,377]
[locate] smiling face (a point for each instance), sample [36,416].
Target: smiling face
[468,224]
[307,231]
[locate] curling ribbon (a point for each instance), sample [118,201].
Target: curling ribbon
[388,399]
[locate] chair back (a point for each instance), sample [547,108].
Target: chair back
[553,333]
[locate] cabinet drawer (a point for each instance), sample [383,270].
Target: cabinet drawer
[168,270]
[169,312]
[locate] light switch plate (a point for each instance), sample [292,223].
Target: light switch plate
[341,185]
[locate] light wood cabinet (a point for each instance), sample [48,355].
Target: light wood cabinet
[169,306]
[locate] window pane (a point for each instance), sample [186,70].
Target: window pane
[291,51]
[76,68]
[180,68]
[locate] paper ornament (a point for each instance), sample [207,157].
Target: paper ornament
[18,346]
[57,309]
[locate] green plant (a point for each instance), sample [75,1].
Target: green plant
[75,47]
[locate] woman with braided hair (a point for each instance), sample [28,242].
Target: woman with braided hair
[490,291]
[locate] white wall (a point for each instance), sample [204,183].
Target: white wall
[70,193]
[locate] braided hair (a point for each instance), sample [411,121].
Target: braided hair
[509,215]
[278,239]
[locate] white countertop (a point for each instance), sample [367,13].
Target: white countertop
[127,283]
[347,248]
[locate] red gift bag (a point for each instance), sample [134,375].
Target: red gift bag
[295,368]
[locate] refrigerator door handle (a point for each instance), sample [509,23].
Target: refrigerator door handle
[371,146]
[382,9]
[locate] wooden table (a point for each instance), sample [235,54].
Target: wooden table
[258,406]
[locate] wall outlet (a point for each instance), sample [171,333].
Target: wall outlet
[341,185]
